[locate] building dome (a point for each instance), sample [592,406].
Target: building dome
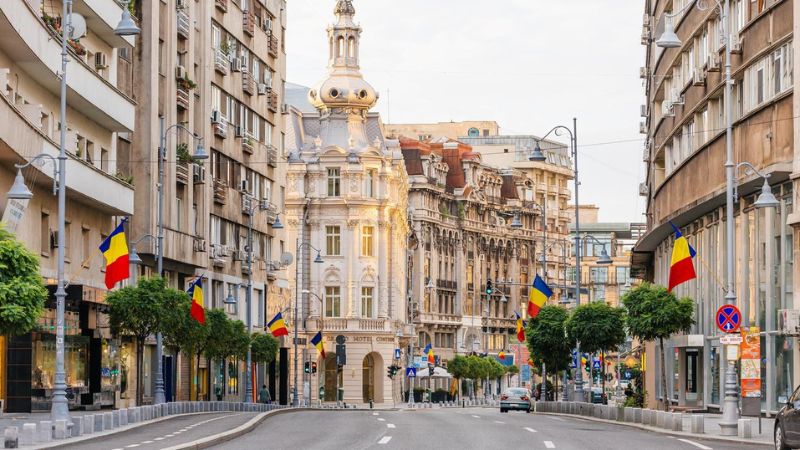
[343,91]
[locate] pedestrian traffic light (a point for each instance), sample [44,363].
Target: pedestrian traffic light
[489,287]
[390,372]
[313,367]
[307,367]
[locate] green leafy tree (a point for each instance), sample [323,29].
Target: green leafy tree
[458,368]
[656,314]
[186,334]
[511,371]
[22,292]
[547,340]
[598,327]
[263,348]
[140,311]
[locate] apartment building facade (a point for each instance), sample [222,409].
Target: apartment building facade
[100,119]
[346,194]
[685,152]
[211,73]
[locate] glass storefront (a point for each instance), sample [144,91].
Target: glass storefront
[43,367]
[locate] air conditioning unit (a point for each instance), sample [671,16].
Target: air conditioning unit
[699,77]
[247,204]
[677,97]
[789,322]
[713,62]
[236,65]
[643,127]
[646,154]
[244,186]
[646,20]
[669,109]
[644,189]
[180,4]
[643,110]
[240,255]
[243,65]
[645,36]
[736,44]
[264,203]
[199,244]
[180,73]
[262,89]
[642,72]
[238,131]
[100,61]
[216,116]
[284,108]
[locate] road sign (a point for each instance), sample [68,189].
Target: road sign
[596,364]
[728,318]
[525,373]
[730,339]
[627,375]
[397,353]
[411,372]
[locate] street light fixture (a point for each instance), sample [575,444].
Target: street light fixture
[766,199]
[298,291]
[730,417]
[537,155]
[126,26]
[133,256]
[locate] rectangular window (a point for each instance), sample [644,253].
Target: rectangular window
[369,184]
[622,274]
[44,235]
[598,292]
[67,232]
[600,274]
[86,252]
[367,241]
[333,240]
[366,302]
[333,301]
[334,182]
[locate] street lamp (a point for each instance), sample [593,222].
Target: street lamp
[730,415]
[604,259]
[59,409]
[133,257]
[537,155]
[298,292]
[573,134]
[199,154]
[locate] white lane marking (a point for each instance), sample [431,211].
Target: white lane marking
[132,445]
[556,418]
[385,440]
[381,419]
[530,429]
[170,435]
[159,439]
[390,425]
[147,442]
[116,449]
[695,444]
[477,417]
[498,421]
[376,414]
[549,444]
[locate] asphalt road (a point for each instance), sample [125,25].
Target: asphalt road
[461,429]
[173,431]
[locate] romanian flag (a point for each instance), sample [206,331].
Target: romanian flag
[277,326]
[195,291]
[115,250]
[317,341]
[520,328]
[681,268]
[538,296]
[429,352]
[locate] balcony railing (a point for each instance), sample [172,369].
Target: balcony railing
[220,191]
[273,45]
[221,129]
[221,62]
[447,284]
[182,97]
[342,324]
[248,22]
[222,5]
[439,318]
[248,82]
[272,101]
[247,145]
[183,24]
[182,173]
[272,155]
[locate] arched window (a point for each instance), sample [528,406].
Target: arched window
[351,47]
[340,47]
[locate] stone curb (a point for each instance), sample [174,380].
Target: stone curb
[210,441]
[707,437]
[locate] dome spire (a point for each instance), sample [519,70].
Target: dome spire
[344,7]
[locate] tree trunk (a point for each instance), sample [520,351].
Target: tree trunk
[197,377]
[555,389]
[664,376]
[139,356]
[603,373]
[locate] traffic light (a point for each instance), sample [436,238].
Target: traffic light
[307,367]
[390,372]
[313,367]
[489,287]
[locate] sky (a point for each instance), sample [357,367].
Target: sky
[527,64]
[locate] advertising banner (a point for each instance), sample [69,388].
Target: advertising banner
[751,362]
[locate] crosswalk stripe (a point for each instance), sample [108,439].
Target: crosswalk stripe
[701,446]
[549,444]
[390,425]
[530,429]
[385,440]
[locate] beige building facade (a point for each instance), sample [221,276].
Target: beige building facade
[427,131]
[685,151]
[100,119]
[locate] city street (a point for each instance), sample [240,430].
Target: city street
[472,428]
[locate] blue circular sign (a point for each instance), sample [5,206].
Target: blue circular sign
[728,318]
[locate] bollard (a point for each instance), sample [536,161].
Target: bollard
[28,436]
[60,429]
[745,428]
[88,424]
[77,426]
[698,424]
[45,431]
[628,414]
[637,415]
[11,437]
[123,417]
[667,420]
[646,416]
[108,421]
[98,422]
[677,421]
[115,422]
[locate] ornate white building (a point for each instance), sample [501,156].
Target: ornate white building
[346,200]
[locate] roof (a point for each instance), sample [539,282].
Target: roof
[297,96]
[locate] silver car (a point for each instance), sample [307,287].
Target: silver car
[515,398]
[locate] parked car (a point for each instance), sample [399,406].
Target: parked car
[515,398]
[787,423]
[598,396]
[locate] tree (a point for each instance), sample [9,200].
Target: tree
[547,340]
[140,311]
[511,371]
[22,292]
[598,327]
[263,348]
[182,331]
[655,314]
[458,368]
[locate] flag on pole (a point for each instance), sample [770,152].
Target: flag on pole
[520,328]
[115,251]
[538,296]
[681,268]
[277,326]
[317,341]
[428,351]
[195,291]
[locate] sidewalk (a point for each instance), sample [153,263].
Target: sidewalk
[704,426]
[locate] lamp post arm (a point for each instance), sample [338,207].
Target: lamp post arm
[41,156]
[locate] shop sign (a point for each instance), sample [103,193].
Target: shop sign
[731,339]
[751,362]
[12,216]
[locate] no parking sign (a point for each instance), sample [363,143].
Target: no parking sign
[728,318]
